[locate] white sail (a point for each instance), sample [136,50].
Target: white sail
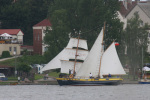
[92,62]
[70,54]
[73,43]
[66,65]
[66,54]
[54,63]
[111,63]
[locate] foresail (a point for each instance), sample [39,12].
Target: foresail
[92,62]
[111,63]
[65,54]
[54,63]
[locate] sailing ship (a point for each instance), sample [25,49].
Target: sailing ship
[65,59]
[98,62]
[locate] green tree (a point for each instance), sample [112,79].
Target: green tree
[69,17]
[35,59]
[24,67]
[135,39]
[23,14]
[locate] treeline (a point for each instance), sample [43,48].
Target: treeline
[87,17]
[23,14]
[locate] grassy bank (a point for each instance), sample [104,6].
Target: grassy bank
[54,74]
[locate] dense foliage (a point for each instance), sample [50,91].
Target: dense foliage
[5,54]
[23,14]
[87,17]
[23,67]
[135,40]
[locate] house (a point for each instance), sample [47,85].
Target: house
[11,40]
[129,7]
[16,34]
[38,36]
[125,7]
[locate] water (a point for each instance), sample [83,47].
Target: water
[55,92]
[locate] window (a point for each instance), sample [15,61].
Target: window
[149,35]
[15,49]
[38,36]
[35,36]
[10,48]
[142,23]
[45,49]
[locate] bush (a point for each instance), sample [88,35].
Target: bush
[23,67]
[5,54]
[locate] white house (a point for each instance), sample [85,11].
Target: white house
[11,40]
[129,7]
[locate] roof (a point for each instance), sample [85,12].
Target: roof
[44,22]
[145,6]
[124,12]
[26,46]
[5,66]
[10,31]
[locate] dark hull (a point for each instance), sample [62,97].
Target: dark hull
[144,81]
[88,82]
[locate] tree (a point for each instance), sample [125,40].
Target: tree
[24,67]
[71,17]
[23,14]
[136,39]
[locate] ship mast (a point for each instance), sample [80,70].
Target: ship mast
[76,55]
[101,51]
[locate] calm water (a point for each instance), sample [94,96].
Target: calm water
[55,92]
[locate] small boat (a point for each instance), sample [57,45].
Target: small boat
[100,64]
[145,76]
[144,81]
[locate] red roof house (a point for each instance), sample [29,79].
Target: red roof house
[38,35]
[11,31]
[126,8]
[44,22]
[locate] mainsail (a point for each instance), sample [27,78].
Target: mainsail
[92,62]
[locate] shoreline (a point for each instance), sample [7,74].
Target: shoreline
[51,82]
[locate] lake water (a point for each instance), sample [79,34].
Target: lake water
[56,92]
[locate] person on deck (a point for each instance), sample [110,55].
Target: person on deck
[91,75]
[109,75]
[69,71]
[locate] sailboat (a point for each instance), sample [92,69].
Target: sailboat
[100,64]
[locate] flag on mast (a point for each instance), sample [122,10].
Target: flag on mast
[116,43]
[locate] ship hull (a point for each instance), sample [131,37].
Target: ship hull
[144,81]
[88,82]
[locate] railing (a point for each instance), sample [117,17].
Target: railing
[9,41]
